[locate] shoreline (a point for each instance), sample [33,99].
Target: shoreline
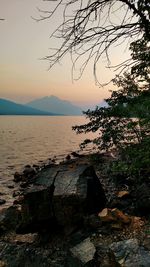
[9,184]
[105,226]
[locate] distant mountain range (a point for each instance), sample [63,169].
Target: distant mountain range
[8,107]
[55,105]
[49,105]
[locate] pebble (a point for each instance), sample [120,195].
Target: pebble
[2,201]
[10,186]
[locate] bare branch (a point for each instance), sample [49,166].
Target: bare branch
[90,28]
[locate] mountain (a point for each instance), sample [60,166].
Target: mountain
[8,107]
[55,105]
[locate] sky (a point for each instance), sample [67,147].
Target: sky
[24,76]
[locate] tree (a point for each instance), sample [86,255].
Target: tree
[89,32]
[126,118]
[124,124]
[90,28]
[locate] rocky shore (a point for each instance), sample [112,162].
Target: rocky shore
[72,214]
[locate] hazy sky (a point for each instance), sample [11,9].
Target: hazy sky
[23,76]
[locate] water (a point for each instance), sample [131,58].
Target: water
[32,139]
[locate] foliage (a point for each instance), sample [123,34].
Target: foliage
[124,124]
[126,118]
[134,161]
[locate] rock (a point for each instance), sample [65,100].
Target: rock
[10,186]
[104,257]
[82,254]
[128,253]
[115,218]
[95,195]
[106,216]
[26,255]
[143,200]
[61,194]
[123,194]
[24,184]
[146,242]
[2,201]
[17,177]
[27,166]
[9,218]
[35,166]
[114,215]
[36,210]
[120,216]
[76,155]
[16,193]
[68,157]
[28,171]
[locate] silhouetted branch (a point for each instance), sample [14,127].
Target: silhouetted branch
[90,28]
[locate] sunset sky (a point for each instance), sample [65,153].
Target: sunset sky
[23,76]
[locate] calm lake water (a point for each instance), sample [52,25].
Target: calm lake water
[31,139]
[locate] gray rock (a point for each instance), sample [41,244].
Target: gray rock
[82,254]
[128,253]
[63,194]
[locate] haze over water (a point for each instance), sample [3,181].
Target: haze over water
[31,139]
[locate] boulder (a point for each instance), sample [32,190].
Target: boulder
[9,218]
[129,253]
[36,209]
[61,194]
[82,254]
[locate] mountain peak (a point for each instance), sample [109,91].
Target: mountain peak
[54,104]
